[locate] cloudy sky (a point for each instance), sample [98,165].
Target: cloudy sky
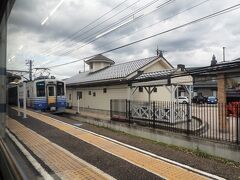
[52,32]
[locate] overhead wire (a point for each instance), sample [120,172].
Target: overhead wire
[156,23]
[75,34]
[226,10]
[124,18]
[95,36]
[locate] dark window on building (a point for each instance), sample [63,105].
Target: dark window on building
[89,92]
[140,89]
[40,86]
[28,94]
[70,97]
[50,91]
[154,89]
[94,94]
[91,65]
[104,90]
[79,95]
[60,88]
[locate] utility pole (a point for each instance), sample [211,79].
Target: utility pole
[30,64]
[224,54]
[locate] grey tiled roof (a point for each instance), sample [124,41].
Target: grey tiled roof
[117,71]
[157,74]
[219,67]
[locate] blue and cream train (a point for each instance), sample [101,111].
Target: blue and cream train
[44,94]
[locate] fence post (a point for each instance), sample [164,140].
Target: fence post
[238,125]
[154,109]
[110,109]
[129,111]
[188,118]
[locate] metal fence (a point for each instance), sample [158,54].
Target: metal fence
[211,121]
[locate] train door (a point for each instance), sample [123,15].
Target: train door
[51,96]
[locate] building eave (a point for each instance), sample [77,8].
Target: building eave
[110,82]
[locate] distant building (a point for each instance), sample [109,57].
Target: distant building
[204,83]
[206,79]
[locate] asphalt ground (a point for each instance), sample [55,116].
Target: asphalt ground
[226,169]
[112,165]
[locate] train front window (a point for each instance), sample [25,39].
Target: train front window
[60,89]
[40,89]
[50,91]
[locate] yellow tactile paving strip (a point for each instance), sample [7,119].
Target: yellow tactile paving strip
[62,162]
[151,164]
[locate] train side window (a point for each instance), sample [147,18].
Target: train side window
[60,89]
[28,94]
[40,89]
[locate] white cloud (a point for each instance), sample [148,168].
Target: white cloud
[192,46]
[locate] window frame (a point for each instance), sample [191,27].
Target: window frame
[79,94]
[155,89]
[91,66]
[38,92]
[28,93]
[62,92]
[51,90]
[104,90]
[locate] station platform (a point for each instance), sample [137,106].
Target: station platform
[70,165]
[62,162]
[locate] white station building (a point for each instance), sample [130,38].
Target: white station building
[139,80]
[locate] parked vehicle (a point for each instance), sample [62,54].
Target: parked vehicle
[183,99]
[212,100]
[205,99]
[199,99]
[194,99]
[233,109]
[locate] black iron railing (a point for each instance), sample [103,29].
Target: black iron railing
[211,121]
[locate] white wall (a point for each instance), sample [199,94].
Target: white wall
[101,100]
[99,65]
[158,66]
[162,94]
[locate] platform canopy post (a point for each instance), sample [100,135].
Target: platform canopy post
[18,100]
[78,98]
[24,101]
[189,90]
